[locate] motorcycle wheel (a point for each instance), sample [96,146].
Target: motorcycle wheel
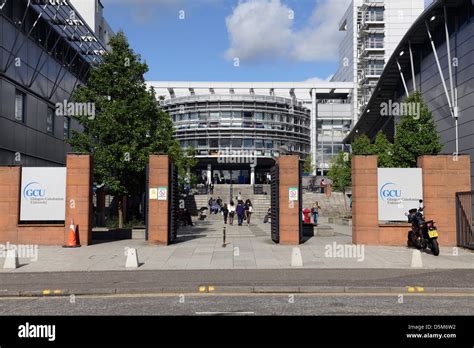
[435,247]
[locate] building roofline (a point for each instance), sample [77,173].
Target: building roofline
[390,78]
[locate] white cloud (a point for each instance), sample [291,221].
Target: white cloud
[319,79]
[262,29]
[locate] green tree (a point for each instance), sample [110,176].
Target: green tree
[416,134]
[340,173]
[128,125]
[384,150]
[308,166]
[361,145]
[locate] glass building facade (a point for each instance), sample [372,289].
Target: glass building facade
[230,132]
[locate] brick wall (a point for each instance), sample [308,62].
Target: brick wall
[158,175]
[442,178]
[78,188]
[289,217]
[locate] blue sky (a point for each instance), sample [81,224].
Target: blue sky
[269,40]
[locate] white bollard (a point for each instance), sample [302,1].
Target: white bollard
[11,261]
[132,258]
[296,258]
[416,261]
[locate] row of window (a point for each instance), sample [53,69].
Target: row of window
[44,34]
[274,126]
[239,143]
[20,107]
[237,115]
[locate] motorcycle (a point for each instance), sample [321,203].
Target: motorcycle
[423,233]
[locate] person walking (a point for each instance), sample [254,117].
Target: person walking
[211,188]
[248,210]
[225,212]
[240,209]
[322,183]
[315,212]
[231,212]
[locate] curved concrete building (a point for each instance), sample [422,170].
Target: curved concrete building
[237,136]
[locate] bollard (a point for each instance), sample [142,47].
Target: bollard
[223,237]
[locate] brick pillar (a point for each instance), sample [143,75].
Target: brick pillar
[365,225]
[158,176]
[289,217]
[9,204]
[79,196]
[443,176]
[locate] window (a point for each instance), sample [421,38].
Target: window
[225,142]
[226,115]
[236,143]
[67,127]
[237,115]
[248,143]
[19,106]
[259,116]
[50,121]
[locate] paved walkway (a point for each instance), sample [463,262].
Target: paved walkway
[248,247]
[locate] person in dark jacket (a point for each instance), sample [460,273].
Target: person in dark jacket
[225,213]
[231,212]
[240,213]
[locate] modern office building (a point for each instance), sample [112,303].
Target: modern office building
[233,124]
[46,51]
[373,29]
[421,62]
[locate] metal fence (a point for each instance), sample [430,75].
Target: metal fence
[464,222]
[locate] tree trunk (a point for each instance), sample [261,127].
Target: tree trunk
[345,200]
[120,211]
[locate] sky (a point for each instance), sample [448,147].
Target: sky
[232,40]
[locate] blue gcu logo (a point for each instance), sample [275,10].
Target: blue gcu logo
[33,189]
[386,191]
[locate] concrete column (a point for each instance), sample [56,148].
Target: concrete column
[209,173]
[252,175]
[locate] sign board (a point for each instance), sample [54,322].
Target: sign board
[292,194]
[43,194]
[162,193]
[398,190]
[153,193]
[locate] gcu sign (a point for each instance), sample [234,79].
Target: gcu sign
[399,190]
[389,190]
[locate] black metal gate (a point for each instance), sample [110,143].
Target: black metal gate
[275,204]
[173,205]
[464,222]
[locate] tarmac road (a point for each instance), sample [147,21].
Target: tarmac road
[243,304]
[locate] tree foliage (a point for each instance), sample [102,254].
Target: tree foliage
[416,134]
[308,167]
[128,125]
[340,171]
[361,145]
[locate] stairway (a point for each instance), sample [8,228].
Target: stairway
[260,202]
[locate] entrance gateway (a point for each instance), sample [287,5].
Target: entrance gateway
[163,200]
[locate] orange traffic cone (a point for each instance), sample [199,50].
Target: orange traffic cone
[72,238]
